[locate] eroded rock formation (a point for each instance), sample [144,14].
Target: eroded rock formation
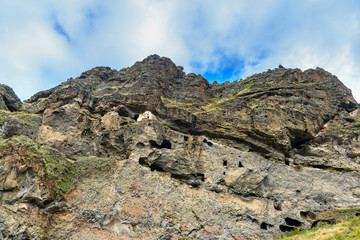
[240,160]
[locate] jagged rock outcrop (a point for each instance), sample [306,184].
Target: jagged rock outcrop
[8,99]
[240,160]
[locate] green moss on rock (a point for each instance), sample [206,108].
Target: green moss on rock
[48,163]
[59,173]
[80,168]
[338,215]
[23,118]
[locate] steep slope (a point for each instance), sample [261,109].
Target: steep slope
[241,160]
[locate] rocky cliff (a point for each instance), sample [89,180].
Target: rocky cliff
[149,152]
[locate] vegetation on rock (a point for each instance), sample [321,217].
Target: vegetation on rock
[348,229]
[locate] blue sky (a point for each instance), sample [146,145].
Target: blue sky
[45,42]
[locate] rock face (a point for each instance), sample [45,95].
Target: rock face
[149,152]
[8,99]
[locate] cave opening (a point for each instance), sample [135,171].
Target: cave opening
[143,161]
[157,167]
[308,215]
[166,144]
[210,144]
[292,222]
[285,228]
[277,206]
[265,225]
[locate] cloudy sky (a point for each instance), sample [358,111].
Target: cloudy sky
[45,42]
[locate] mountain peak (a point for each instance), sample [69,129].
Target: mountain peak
[155,66]
[154,58]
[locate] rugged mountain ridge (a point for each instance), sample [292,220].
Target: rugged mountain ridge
[240,160]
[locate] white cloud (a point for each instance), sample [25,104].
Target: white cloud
[44,42]
[27,48]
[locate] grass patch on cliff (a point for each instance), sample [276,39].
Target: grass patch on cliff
[249,85]
[68,173]
[169,103]
[347,227]
[215,104]
[111,91]
[357,123]
[20,114]
[339,215]
[345,129]
[21,117]
[347,230]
